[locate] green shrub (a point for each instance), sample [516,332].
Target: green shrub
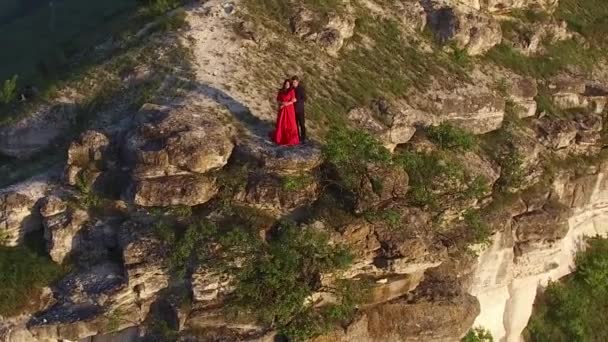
[427,170]
[350,151]
[274,283]
[8,92]
[575,309]
[451,137]
[478,335]
[22,275]
[479,230]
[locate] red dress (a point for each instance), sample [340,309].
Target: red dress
[286,132]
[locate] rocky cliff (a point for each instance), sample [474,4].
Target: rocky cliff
[456,165]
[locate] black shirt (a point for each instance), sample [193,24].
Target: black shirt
[301,99]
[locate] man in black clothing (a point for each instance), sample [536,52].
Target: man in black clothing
[299,105]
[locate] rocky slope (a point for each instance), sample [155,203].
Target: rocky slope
[458,182]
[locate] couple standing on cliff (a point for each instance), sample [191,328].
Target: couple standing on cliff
[290,128]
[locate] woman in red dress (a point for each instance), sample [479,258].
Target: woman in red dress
[286,132]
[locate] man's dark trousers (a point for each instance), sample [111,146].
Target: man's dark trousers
[301,119]
[300,116]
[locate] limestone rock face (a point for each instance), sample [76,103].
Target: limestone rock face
[505,5]
[328,30]
[529,39]
[537,245]
[176,190]
[471,110]
[437,310]
[170,151]
[392,126]
[473,31]
[265,155]
[144,258]
[88,154]
[380,184]
[82,298]
[36,131]
[522,92]
[556,133]
[278,194]
[61,226]
[19,210]
[412,15]
[208,285]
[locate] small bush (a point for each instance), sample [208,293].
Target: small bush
[22,275]
[450,137]
[8,92]
[478,335]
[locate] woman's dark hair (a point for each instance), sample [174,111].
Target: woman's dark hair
[287,81]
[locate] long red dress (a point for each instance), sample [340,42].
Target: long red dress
[286,132]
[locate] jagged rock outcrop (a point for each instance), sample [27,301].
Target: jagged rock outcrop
[437,310]
[61,226]
[87,157]
[471,30]
[278,194]
[144,256]
[329,30]
[391,124]
[171,152]
[575,93]
[380,184]
[522,92]
[83,301]
[19,205]
[472,109]
[531,38]
[208,285]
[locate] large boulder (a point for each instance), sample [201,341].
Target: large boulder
[471,30]
[19,213]
[329,30]
[170,151]
[264,155]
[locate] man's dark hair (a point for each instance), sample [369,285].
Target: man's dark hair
[295,78]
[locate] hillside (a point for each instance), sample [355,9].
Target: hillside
[455,164]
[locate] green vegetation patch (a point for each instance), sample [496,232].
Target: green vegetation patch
[451,137]
[350,151]
[22,275]
[274,284]
[575,309]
